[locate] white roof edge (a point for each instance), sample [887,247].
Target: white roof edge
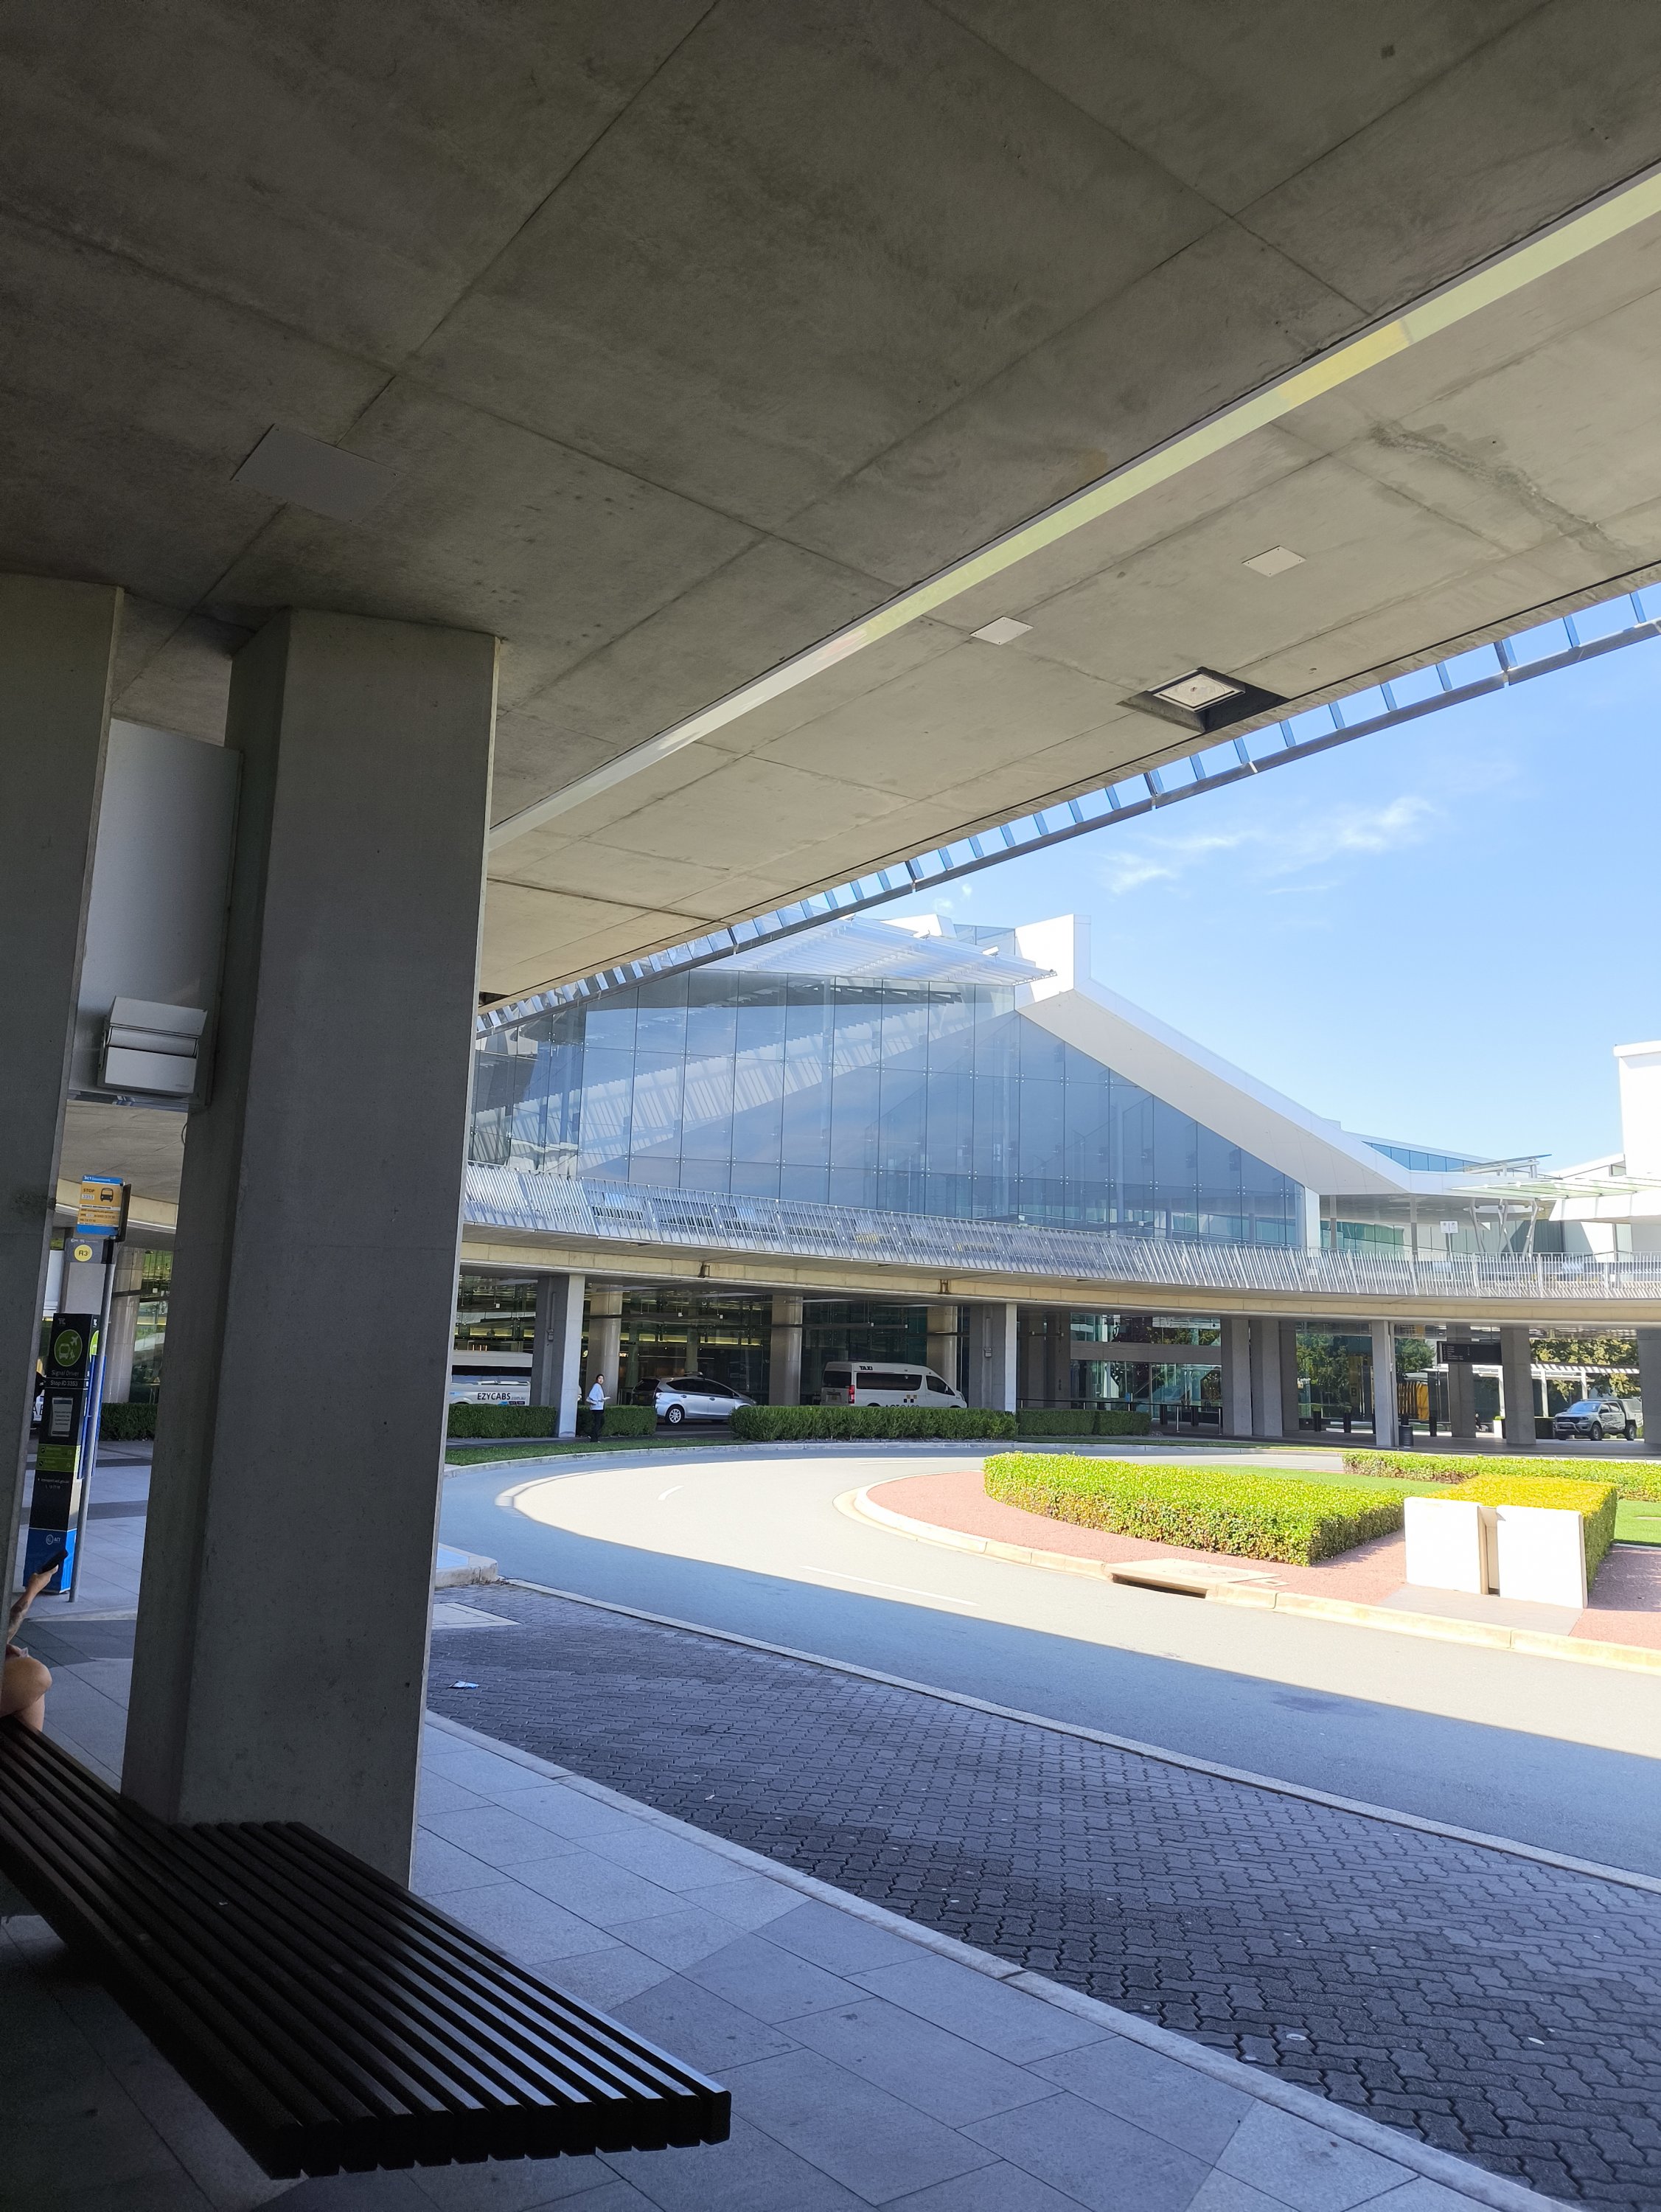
[1312,1150]
[1622,1050]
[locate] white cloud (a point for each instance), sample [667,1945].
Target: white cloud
[1284,846]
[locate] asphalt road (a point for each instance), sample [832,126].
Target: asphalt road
[1539,1751]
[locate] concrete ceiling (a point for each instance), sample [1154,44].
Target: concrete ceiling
[693,333]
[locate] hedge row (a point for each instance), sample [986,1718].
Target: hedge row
[126,1423]
[761,1424]
[1062,1421]
[1211,1509]
[1594,1502]
[1638,1479]
[544,1420]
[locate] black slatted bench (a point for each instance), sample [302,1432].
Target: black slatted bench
[330,2019]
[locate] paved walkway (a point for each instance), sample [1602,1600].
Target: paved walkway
[871,2064]
[1496,2006]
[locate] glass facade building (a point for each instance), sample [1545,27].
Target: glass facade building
[908,1096]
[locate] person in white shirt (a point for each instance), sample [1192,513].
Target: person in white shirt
[596,1408]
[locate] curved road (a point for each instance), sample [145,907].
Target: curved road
[1541,1751]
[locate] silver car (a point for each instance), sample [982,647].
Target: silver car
[695,1398]
[1595,1418]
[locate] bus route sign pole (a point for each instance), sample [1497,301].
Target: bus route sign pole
[67,1451]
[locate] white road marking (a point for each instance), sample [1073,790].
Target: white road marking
[908,1589]
[670,1491]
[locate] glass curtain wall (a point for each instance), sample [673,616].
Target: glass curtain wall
[910,1098]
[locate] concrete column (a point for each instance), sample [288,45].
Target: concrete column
[1236,1376]
[606,1338]
[1266,1414]
[1383,1385]
[784,1351]
[1461,1387]
[1516,1372]
[1649,1384]
[1289,1397]
[280,1668]
[56,648]
[123,1331]
[942,1353]
[556,1347]
[994,1349]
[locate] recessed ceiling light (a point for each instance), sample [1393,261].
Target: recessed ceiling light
[1205,688]
[1005,631]
[304,471]
[1276,561]
[1205,700]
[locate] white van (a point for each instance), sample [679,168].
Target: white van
[884,1382]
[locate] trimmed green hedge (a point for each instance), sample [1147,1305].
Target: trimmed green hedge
[767,1425]
[126,1423]
[630,1421]
[1639,1479]
[1063,1421]
[1211,1509]
[504,1420]
[1594,1502]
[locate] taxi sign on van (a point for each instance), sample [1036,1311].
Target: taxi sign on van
[102,1211]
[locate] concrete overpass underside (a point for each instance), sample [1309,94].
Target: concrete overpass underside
[669,343]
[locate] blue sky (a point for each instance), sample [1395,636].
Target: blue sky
[1437,934]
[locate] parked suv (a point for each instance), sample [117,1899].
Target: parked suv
[884,1382]
[681,1398]
[1595,1418]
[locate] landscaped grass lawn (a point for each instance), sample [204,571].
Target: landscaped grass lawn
[1637,1521]
[468,1452]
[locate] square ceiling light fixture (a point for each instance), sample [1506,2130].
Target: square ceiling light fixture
[1205,700]
[1005,631]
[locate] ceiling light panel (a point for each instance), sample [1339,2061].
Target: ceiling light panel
[1274,561]
[1005,631]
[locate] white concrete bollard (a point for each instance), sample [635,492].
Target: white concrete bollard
[1449,1544]
[1543,1554]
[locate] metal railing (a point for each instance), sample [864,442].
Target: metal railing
[718,1221]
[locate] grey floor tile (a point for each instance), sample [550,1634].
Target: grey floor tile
[1296,2161]
[774,1984]
[674,1861]
[700,2028]
[496,1835]
[528,1927]
[940,2074]
[586,1881]
[1221,2192]
[864,2139]
[751,1901]
[572,1813]
[1094,2156]
[679,1939]
[511,2184]
[750,2173]
[840,1941]
[440,1795]
[154,2192]
[1000,2188]
[440,1865]
[477,1769]
[1161,2094]
[979,2008]
[1423,2196]
[356,2192]
[605,1977]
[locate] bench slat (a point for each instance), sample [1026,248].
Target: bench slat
[329,2019]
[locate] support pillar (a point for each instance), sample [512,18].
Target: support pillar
[280,1668]
[121,1337]
[1516,1372]
[1289,1393]
[784,1352]
[1649,1385]
[1461,1387]
[56,648]
[943,1355]
[556,1347]
[1236,1378]
[1266,1415]
[994,1347]
[1383,1385]
[606,1338]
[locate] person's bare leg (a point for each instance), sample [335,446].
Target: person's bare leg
[24,1683]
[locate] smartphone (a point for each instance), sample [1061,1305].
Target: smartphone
[54,1560]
